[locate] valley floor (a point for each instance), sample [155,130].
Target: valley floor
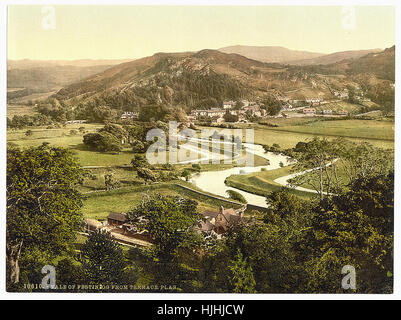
[287,134]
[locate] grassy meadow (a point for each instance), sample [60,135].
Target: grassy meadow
[98,205]
[262,183]
[289,132]
[286,132]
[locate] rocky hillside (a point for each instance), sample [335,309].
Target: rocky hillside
[184,79]
[206,78]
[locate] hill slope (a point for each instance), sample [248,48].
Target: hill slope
[49,77]
[270,53]
[175,78]
[207,77]
[380,64]
[334,57]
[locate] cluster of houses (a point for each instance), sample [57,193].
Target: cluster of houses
[327,112]
[213,222]
[247,108]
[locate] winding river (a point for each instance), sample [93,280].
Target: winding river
[213,181]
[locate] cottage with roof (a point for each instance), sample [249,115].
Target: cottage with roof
[116,219]
[220,221]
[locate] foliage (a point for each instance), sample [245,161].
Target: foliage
[146,174]
[186,174]
[43,205]
[322,158]
[354,228]
[228,117]
[168,219]
[236,196]
[241,280]
[139,161]
[102,259]
[103,142]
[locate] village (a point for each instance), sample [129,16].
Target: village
[245,111]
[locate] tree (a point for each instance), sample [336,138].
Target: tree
[168,219]
[238,105]
[116,130]
[236,196]
[228,117]
[102,259]
[139,161]
[146,174]
[68,272]
[318,157]
[354,228]
[271,105]
[241,279]
[186,174]
[138,146]
[103,141]
[285,204]
[43,205]
[110,182]
[322,158]
[102,114]
[29,133]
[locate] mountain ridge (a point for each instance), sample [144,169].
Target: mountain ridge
[270,54]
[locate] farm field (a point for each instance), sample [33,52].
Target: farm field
[360,129]
[288,132]
[62,137]
[340,105]
[287,135]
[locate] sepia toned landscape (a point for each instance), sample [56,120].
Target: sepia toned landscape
[273,170]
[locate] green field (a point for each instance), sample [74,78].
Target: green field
[98,205]
[262,183]
[359,129]
[61,137]
[291,131]
[288,132]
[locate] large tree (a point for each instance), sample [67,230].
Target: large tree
[354,228]
[102,259]
[168,219]
[43,205]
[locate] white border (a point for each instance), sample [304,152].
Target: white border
[175,296]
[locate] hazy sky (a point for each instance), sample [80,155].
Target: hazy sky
[114,32]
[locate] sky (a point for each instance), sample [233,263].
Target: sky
[130,32]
